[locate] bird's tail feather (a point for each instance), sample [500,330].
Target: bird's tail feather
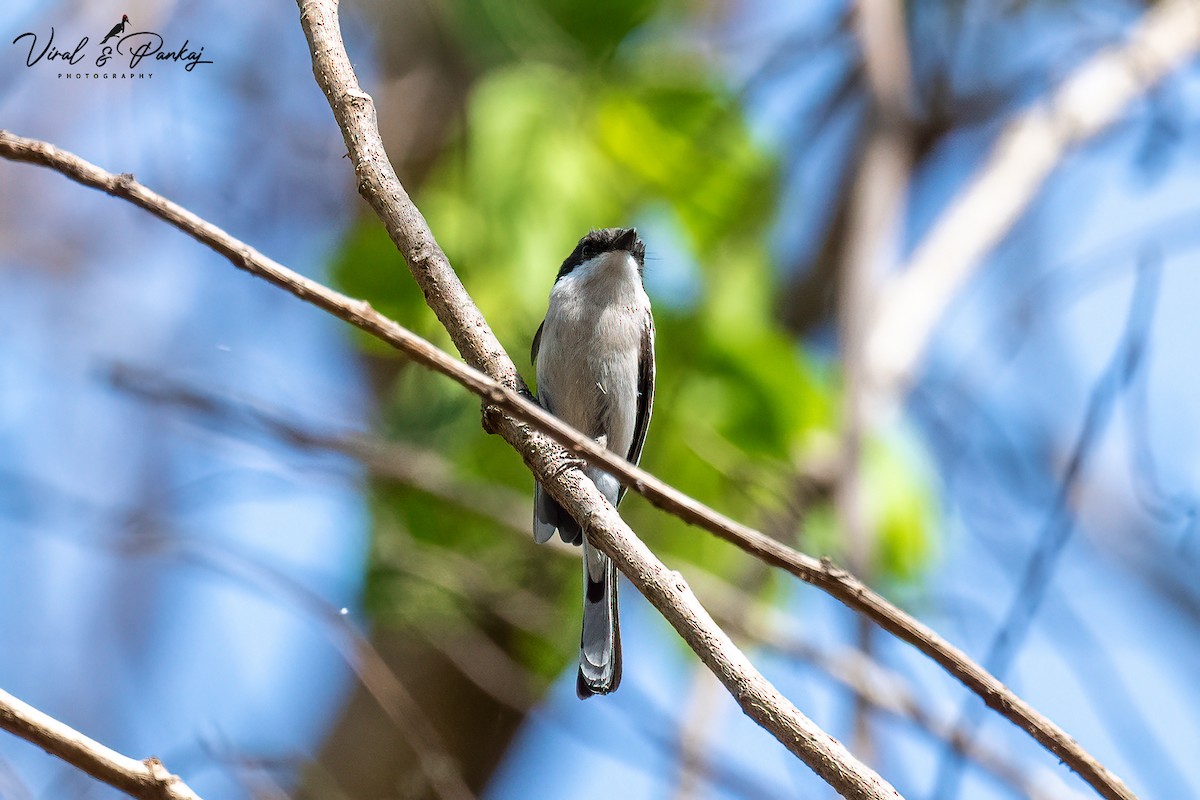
[549,516]
[600,641]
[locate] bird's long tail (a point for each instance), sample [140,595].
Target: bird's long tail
[600,642]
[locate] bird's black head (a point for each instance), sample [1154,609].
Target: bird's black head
[604,241]
[124,18]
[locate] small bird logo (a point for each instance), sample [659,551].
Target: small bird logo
[117,29]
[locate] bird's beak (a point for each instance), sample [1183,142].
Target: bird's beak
[626,240]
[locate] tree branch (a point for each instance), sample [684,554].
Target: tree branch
[555,469]
[1022,158]
[419,468]
[354,111]
[148,780]
[528,419]
[871,681]
[447,297]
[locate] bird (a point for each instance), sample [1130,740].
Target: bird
[117,29]
[594,359]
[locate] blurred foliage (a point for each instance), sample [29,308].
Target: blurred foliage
[584,117]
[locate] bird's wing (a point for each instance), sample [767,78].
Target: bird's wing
[537,343]
[645,402]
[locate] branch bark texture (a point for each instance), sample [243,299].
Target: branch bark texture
[148,780]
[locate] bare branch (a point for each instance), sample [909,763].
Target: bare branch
[1024,155]
[549,464]
[560,474]
[449,300]
[876,208]
[666,590]
[355,113]
[875,684]
[419,468]
[148,780]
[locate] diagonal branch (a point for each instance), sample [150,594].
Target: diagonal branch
[868,679]
[1026,152]
[354,111]
[527,425]
[148,780]
[554,468]
[446,296]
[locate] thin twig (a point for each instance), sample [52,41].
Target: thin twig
[699,718]
[419,468]
[148,780]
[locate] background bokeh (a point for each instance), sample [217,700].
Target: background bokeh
[242,537]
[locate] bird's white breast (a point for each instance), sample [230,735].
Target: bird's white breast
[587,364]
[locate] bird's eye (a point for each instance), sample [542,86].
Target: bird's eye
[586,252]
